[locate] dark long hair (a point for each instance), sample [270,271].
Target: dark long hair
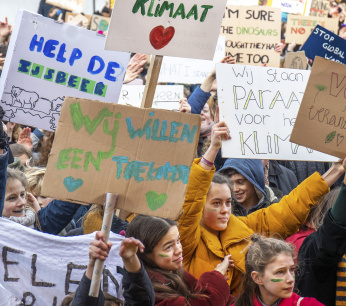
[150,230]
[261,253]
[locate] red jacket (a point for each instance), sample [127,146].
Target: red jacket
[216,290]
[297,240]
[292,301]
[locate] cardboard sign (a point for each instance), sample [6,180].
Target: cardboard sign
[252,33]
[48,60]
[240,2]
[296,60]
[77,19]
[299,28]
[174,28]
[166,96]
[143,155]
[49,271]
[301,7]
[326,44]
[321,120]
[190,71]
[260,105]
[99,23]
[319,8]
[70,5]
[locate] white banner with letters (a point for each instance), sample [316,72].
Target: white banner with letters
[260,106]
[41,269]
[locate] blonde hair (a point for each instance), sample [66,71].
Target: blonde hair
[35,177]
[260,254]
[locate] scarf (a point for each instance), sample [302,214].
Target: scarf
[28,220]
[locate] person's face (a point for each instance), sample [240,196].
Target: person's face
[15,199]
[217,209]
[342,32]
[23,158]
[43,201]
[205,116]
[168,254]
[277,281]
[242,189]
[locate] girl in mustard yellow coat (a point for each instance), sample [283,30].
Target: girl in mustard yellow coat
[208,230]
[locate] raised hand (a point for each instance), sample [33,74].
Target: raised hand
[184,106]
[25,139]
[135,67]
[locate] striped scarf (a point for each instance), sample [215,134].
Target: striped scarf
[341,282]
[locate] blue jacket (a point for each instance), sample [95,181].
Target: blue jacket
[3,178]
[252,170]
[197,100]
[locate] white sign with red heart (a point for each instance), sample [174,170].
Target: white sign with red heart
[173,28]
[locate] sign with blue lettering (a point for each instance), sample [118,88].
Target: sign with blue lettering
[47,61]
[143,155]
[326,44]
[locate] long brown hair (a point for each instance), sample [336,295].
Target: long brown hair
[260,254]
[44,148]
[150,230]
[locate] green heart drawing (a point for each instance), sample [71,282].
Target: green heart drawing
[154,200]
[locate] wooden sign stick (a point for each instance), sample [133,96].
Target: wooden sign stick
[152,77]
[111,200]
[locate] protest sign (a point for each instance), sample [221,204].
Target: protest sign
[174,28]
[241,2]
[46,273]
[71,5]
[144,155]
[300,27]
[319,8]
[190,71]
[301,7]
[47,61]
[321,119]
[296,60]
[325,44]
[99,23]
[260,106]
[166,96]
[252,33]
[76,19]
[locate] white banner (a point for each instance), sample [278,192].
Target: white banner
[41,269]
[47,61]
[166,96]
[260,106]
[190,71]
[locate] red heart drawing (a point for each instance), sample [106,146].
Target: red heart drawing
[160,37]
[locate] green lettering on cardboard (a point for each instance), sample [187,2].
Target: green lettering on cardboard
[64,158]
[75,158]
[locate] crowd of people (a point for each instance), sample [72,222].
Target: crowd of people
[251,232]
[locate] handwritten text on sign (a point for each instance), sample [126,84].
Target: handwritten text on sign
[300,27]
[260,106]
[44,275]
[321,120]
[144,155]
[47,61]
[325,44]
[252,33]
[175,28]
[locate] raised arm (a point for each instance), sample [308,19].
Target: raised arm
[201,175]
[285,217]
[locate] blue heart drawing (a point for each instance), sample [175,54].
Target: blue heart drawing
[71,184]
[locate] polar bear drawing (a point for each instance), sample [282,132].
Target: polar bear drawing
[24,97]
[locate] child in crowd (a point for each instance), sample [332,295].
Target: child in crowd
[160,257]
[270,275]
[209,231]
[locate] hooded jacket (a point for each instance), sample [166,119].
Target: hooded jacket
[252,170]
[203,250]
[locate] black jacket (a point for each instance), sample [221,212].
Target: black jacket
[281,178]
[318,260]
